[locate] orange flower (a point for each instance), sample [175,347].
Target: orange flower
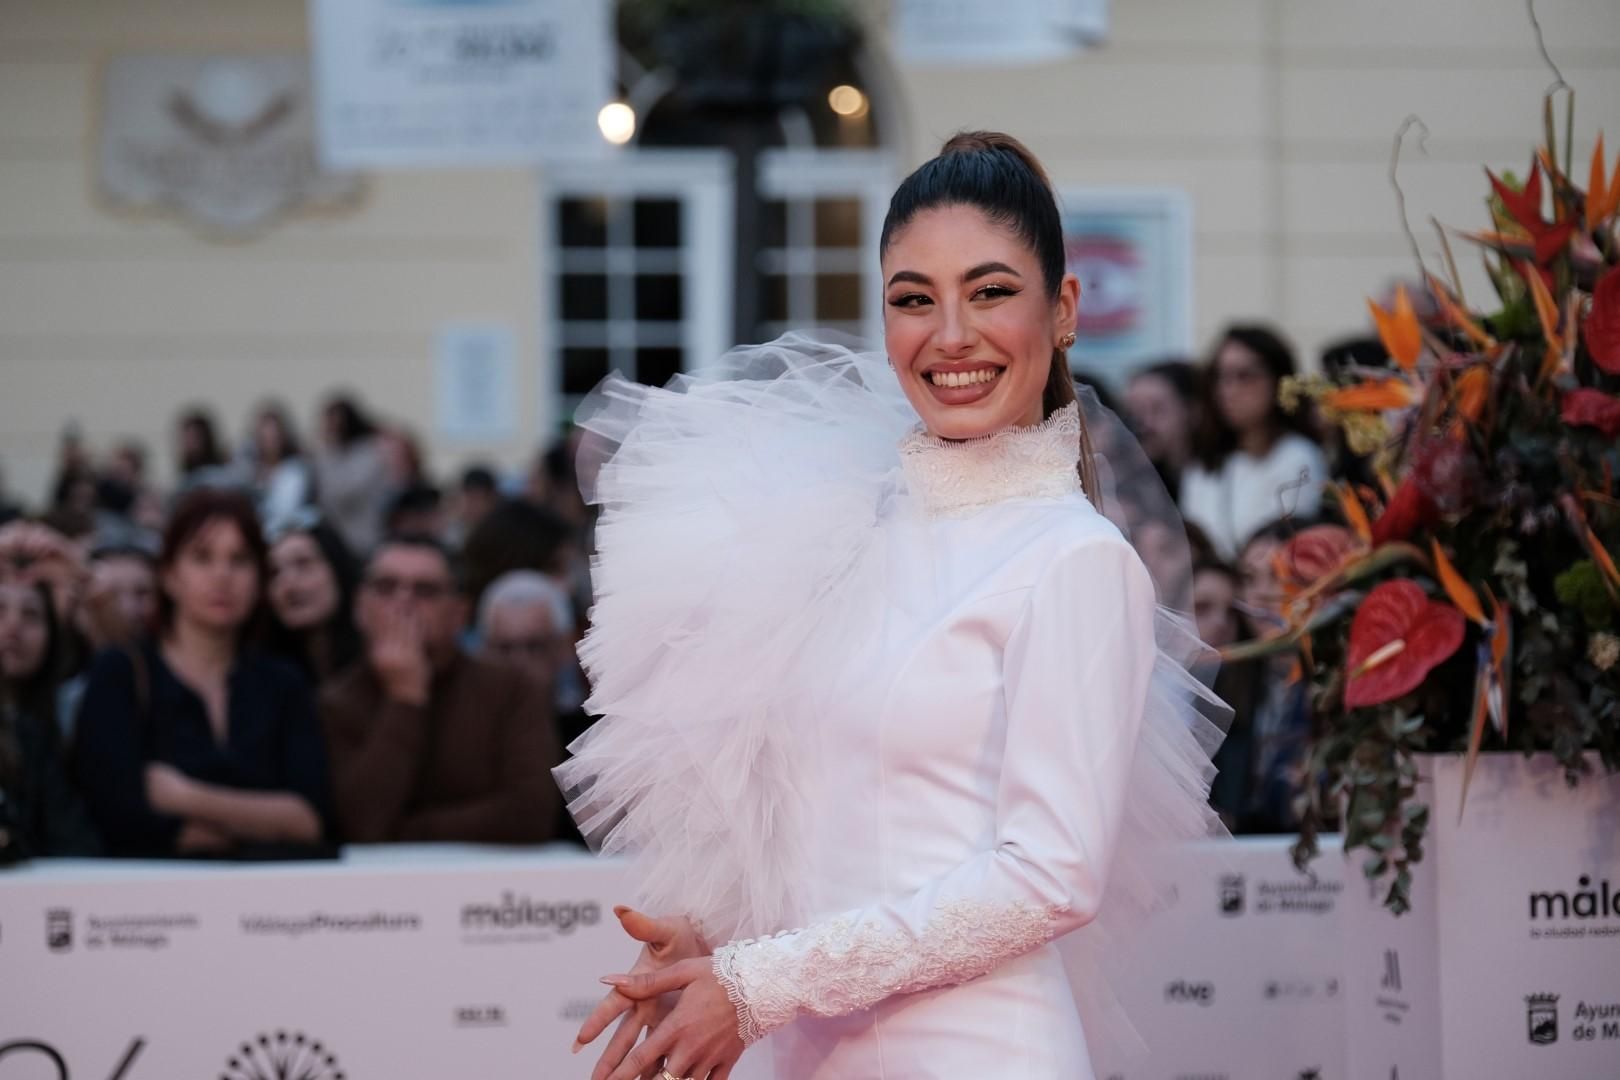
[1399,329]
[1371,396]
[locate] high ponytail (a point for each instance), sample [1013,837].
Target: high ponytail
[997,175]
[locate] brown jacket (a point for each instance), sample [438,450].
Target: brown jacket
[473,766]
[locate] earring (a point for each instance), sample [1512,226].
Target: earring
[1067,340]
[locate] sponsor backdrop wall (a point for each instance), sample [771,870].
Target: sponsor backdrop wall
[417,963]
[1509,963]
[1240,977]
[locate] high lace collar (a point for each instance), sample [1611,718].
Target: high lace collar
[955,478]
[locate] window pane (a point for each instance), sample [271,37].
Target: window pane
[582,296]
[773,223]
[583,368]
[775,298]
[657,366]
[838,223]
[838,296]
[582,222]
[658,223]
[658,296]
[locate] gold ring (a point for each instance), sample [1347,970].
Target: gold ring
[667,1075]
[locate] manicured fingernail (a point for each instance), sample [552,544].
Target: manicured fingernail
[615,980]
[620,910]
[576,1047]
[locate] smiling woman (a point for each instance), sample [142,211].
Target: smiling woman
[878,679]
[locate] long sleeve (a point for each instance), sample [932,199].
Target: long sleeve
[377,747]
[1076,673]
[523,806]
[111,760]
[303,764]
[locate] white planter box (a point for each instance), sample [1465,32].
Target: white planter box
[1508,964]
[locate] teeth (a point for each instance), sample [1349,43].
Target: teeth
[964,378]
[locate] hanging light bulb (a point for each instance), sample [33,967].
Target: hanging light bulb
[617,122]
[846,100]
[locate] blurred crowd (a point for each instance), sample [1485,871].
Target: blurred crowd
[301,645]
[308,642]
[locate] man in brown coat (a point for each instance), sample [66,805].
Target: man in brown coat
[426,742]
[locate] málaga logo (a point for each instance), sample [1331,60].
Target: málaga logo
[283,1056]
[1586,902]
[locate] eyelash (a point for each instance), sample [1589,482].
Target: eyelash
[996,293]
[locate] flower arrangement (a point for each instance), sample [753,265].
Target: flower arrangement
[1470,600]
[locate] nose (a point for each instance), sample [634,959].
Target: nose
[956,335]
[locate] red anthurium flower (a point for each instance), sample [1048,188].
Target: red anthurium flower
[1314,554]
[1398,636]
[1592,408]
[1602,326]
[1408,509]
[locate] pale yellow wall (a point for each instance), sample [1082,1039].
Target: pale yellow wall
[116,320]
[1276,115]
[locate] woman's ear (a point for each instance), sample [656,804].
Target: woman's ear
[1068,306]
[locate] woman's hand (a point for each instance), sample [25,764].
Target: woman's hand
[664,942]
[169,790]
[698,1038]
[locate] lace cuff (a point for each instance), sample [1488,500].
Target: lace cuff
[850,963]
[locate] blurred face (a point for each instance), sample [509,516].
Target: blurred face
[1162,420]
[24,631]
[213,581]
[412,583]
[1260,592]
[1244,388]
[268,440]
[303,590]
[523,635]
[1214,593]
[475,505]
[132,584]
[967,322]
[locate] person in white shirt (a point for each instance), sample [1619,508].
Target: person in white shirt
[1253,461]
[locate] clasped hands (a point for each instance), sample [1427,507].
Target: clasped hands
[672,993]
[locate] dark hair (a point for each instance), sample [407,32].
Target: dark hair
[415,499]
[1181,375]
[343,637]
[195,510]
[997,175]
[478,478]
[515,535]
[207,454]
[35,694]
[352,422]
[426,542]
[277,412]
[1214,440]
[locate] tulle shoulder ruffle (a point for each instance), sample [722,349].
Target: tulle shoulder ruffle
[738,505]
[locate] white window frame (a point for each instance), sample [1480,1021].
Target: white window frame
[702,181]
[808,174]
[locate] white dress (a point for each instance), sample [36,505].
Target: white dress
[887,736]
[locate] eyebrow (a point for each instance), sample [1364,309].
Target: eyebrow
[979,271]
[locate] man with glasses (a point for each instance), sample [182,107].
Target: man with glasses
[426,742]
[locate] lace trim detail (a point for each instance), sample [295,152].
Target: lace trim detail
[956,478]
[841,966]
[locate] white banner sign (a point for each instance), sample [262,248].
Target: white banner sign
[412,83]
[1241,976]
[959,32]
[1508,963]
